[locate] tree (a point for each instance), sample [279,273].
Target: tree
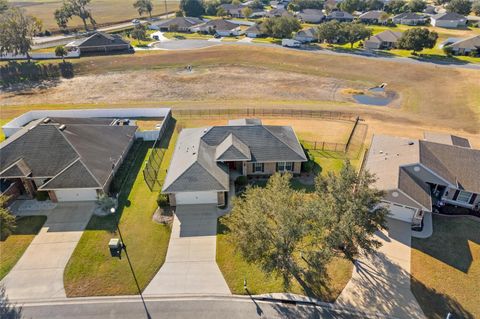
[280,27]
[416,5]
[192,8]
[211,7]
[61,52]
[417,39]
[256,4]
[143,6]
[476,7]
[221,12]
[16,32]
[7,220]
[247,12]
[74,8]
[299,5]
[396,6]
[179,14]
[329,32]
[271,228]
[354,32]
[3,6]
[352,5]
[348,208]
[374,4]
[463,7]
[139,32]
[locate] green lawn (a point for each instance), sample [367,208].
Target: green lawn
[91,270]
[13,247]
[446,268]
[235,269]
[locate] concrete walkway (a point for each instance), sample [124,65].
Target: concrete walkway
[39,272]
[190,266]
[381,282]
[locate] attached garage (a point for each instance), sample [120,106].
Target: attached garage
[188,198]
[403,213]
[76,194]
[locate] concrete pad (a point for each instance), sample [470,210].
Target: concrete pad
[39,272]
[190,266]
[381,281]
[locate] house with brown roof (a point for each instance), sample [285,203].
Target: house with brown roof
[383,41]
[206,161]
[417,175]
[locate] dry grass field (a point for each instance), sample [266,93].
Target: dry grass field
[103,11]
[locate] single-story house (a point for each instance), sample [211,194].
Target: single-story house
[384,40]
[340,16]
[99,42]
[72,159]
[311,15]
[181,24]
[465,46]
[418,174]
[278,12]
[221,27]
[409,18]
[254,31]
[207,160]
[306,35]
[430,10]
[373,17]
[448,20]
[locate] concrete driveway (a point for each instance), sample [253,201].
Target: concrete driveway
[39,272]
[190,266]
[381,282]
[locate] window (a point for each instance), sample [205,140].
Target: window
[258,167]
[285,166]
[464,196]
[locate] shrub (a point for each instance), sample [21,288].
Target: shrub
[241,181]
[448,50]
[162,200]
[105,202]
[309,166]
[42,196]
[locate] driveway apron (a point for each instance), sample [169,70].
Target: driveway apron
[39,272]
[190,266]
[381,281]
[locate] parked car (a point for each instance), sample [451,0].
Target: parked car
[136,21]
[290,43]
[217,36]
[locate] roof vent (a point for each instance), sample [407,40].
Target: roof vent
[46,120]
[62,127]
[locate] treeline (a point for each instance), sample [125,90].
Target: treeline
[15,72]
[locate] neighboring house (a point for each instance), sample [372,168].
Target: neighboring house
[278,12]
[383,41]
[465,46]
[73,159]
[99,42]
[221,27]
[311,15]
[430,10]
[409,18]
[254,31]
[306,36]
[181,24]
[340,16]
[448,20]
[372,17]
[417,174]
[207,160]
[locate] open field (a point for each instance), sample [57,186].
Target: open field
[103,11]
[446,268]
[430,97]
[13,247]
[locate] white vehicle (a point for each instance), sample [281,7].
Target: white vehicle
[291,43]
[136,21]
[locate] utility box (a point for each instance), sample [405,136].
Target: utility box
[115,246]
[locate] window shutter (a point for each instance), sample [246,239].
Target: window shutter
[263,167]
[276,167]
[472,199]
[456,194]
[253,167]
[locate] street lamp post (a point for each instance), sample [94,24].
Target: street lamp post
[124,247]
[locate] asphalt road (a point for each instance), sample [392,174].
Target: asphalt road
[181,308]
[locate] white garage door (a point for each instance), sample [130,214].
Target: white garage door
[185,198]
[402,213]
[74,195]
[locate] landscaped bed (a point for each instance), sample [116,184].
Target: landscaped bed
[13,247]
[446,268]
[91,270]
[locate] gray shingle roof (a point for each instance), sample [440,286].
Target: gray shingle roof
[459,165]
[18,169]
[374,14]
[99,39]
[232,149]
[468,43]
[386,36]
[181,22]
[408,16]
[449,16]
[339,15]
[415,188]
[75,176]
[218,24]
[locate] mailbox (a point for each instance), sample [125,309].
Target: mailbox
[115,246]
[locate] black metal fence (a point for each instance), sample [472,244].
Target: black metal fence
[324,146]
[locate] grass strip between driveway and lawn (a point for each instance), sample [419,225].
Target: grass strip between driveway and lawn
[91,271]
[13,247]
[445,268]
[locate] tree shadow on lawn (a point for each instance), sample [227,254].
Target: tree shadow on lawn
[109,222]
[439,59]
